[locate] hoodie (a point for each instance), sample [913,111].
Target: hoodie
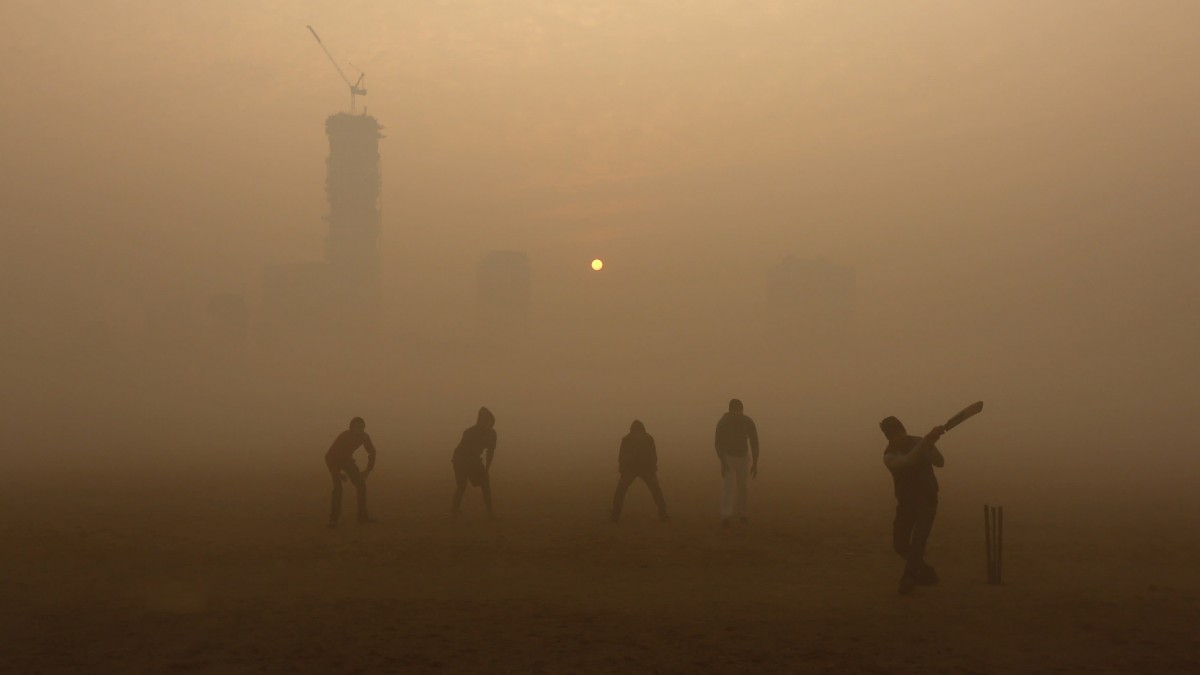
[638,453]
[735,433]
[478,438]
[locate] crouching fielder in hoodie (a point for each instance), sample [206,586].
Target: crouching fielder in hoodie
[638,459]
[469,464]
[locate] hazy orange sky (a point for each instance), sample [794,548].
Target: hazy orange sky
[1014,183]
[1021,150]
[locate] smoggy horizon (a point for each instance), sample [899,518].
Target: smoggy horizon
[1011,183]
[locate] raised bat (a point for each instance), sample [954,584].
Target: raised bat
[964,415]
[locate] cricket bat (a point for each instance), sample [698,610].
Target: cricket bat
[964,415]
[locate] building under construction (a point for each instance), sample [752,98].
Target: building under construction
[323,296]
[352,186]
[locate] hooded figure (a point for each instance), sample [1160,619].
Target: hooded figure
[470,466]
[638,458]
[638,454]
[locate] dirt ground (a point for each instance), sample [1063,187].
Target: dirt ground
[156,570]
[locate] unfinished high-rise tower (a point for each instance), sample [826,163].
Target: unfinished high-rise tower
[340,293]
[352,185]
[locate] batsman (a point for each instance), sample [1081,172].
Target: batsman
[911,460]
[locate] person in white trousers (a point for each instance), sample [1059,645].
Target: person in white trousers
[737,448]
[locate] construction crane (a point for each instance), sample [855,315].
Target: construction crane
[356,88]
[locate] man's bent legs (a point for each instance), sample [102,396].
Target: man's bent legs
[464,474]
[335,498]
[623,484]
[651,479]
[922,525]
[360,487]
[902,528]
[485,484]
[910,534]
[460,486]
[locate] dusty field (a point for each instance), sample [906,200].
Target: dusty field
[234,572]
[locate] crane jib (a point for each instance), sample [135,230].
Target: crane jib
[356,88]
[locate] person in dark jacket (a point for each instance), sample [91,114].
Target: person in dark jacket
[469,463]
[339,459]
[737,448]
[638,458]
[911,460]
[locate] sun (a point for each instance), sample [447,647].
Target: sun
[597,264]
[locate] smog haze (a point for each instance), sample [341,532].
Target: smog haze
[834,211]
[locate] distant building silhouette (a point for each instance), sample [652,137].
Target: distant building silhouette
[352,185]
[812,300]
[342,292]
[503,293]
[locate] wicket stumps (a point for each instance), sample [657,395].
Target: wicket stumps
[993,534]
